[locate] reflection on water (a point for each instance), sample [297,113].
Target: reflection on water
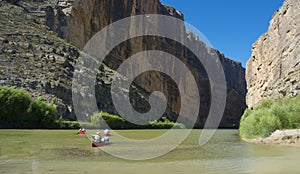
[61,151]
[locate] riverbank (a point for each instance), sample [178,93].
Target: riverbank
[289,137]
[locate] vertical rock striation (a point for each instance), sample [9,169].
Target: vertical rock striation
[274,67]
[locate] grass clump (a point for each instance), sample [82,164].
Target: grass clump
[271,115]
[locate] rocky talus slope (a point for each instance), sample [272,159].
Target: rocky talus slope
[37,54]
[34,58]
[273,70]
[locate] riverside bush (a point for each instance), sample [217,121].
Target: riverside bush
[13,106]
[165,124]
[113,121]
[19,110]
[270,115]
[117,122]
[41,113]
[69,125]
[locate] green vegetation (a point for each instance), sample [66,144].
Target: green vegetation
[270,115]
[63,124]
[19,110]
[117,122]
[165,124]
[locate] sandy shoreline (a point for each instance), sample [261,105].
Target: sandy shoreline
[279,137]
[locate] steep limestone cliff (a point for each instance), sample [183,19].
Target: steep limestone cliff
[88,17]
[274,67]
[77,22]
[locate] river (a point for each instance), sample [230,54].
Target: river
[65,152]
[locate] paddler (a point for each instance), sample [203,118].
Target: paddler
[106,132]
[97,137]
[105,139]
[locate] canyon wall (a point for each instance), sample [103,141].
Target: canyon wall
[77,22]
[86,18]
[273,70]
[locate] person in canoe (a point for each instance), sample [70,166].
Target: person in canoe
[106,132]
[105,139]
[81,131]
[98,142]
[97,137]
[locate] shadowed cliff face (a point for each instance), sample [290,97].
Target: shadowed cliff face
[79,21]
[89,17]
[274,67]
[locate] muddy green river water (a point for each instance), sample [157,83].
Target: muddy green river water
[65,152]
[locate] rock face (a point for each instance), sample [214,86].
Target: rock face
[33,57]
[88,17]
[77,22]
[274,67]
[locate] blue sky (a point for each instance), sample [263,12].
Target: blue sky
[231,26]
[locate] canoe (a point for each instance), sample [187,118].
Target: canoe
[82,133]
[96,144]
